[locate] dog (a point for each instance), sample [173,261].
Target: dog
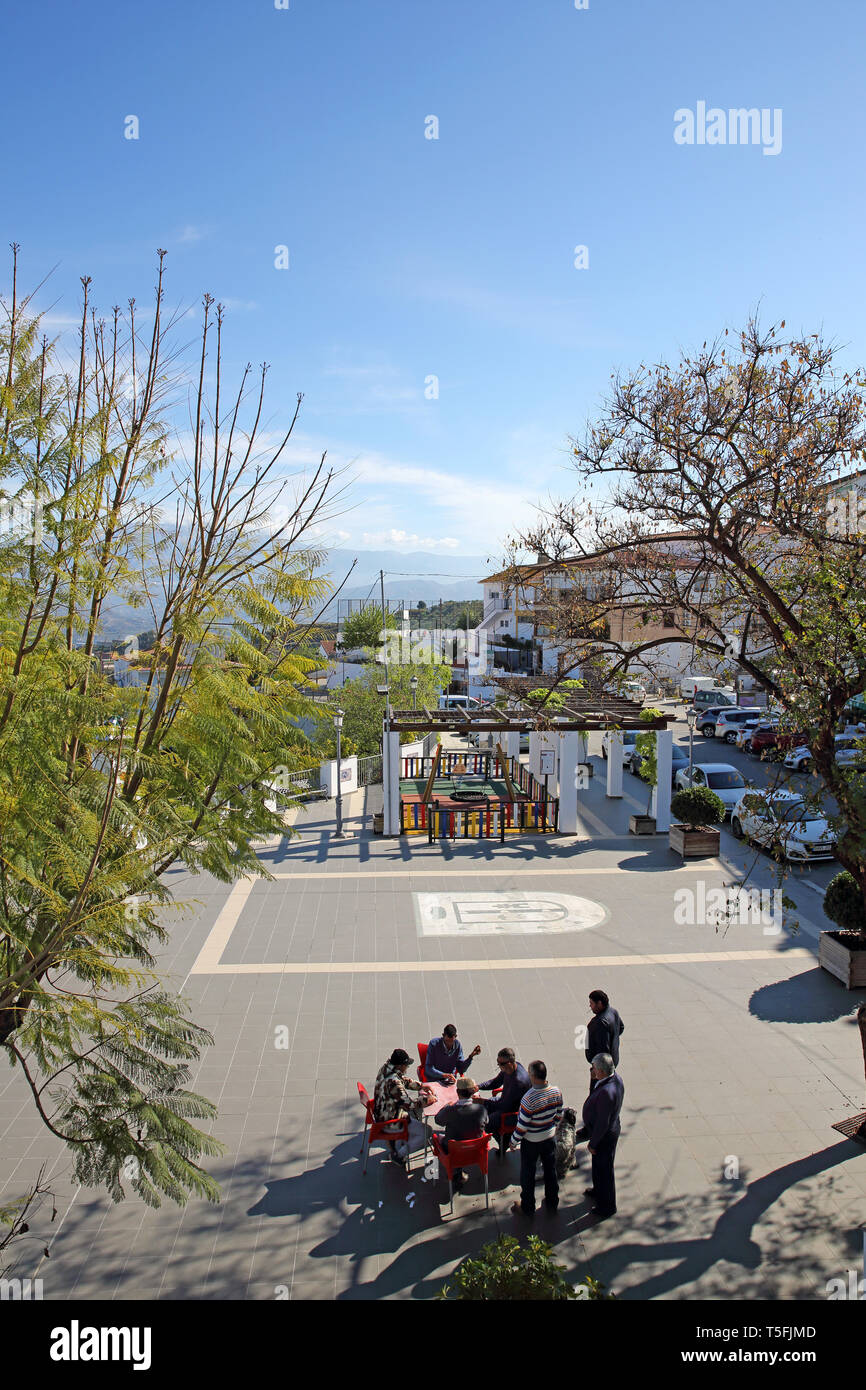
[563,1139]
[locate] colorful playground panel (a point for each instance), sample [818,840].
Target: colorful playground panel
[412,789]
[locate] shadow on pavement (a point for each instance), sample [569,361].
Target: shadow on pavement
[811,997]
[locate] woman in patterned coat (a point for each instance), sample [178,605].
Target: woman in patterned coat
[391,1095]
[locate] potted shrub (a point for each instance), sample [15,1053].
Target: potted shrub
[645,744]
[697,812]
[843,952]
[503,1270]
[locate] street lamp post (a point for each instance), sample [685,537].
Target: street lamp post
[414,688]
[338,725]
[691,716]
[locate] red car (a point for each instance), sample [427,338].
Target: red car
[762,739]
[783,743]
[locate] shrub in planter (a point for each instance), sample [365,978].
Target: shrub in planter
[843,903]
[503,1269]
[698,807]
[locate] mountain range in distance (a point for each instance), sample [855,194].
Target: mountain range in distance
[411,576]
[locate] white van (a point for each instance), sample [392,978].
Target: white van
[462,702]
[690,685]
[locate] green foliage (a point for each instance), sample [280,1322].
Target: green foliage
[698,806]
[325,745]
[448,614]
[556,698]
[103,788]
[504,1271]
[645,744]
[364,709]
[364,629]
[843,903]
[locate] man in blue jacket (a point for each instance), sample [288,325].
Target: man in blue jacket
[604,1029]
[514,1080]
[602,1128]
[445,1060]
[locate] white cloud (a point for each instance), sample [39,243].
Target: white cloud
[402,540]
[189,234]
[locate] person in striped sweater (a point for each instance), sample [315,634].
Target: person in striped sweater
[539,1111]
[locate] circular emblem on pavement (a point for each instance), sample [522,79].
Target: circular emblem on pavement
[511,912]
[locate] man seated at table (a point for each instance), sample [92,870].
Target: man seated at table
[514,1080]
[445,1060]
[463,1119]
[391,1095]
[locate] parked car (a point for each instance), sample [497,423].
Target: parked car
[708,699]
[762,739]
[628,738]
[782,821]
[799,758]
[461,702]
[679,759]
[730,721]
[721,778]
[849,753]
[744,734]
[706,721]
[628,690]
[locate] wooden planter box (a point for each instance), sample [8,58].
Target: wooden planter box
[837,957]
[642,825]
[694,844]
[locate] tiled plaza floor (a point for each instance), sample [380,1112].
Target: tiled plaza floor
[738,1055]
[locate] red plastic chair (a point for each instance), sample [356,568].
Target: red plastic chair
[422,1054]
[464,1153]
[507,1127]
[374,1129]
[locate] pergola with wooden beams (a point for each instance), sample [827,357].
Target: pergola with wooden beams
[562,730]
[581,716]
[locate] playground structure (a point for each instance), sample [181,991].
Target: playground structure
[491,794]
[473,796]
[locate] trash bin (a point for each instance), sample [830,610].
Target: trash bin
[378,822]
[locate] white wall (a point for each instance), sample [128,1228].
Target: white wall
[348,773]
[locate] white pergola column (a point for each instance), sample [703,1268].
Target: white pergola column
[614,763]
[569,756]
[391,781]
[386,784]
[664,757]
[535,753]
[510,741]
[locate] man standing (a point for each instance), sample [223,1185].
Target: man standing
[602,1034]
[514,1080]
[602,1128]
[445,1060]
[539,1111]
[464,1119]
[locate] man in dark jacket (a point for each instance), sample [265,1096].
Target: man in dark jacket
[464,1119]
[514,1080]
[445,1060]
[602,1128]
[602,1034]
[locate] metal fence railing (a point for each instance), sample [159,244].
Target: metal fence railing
[304,783]
[369,770]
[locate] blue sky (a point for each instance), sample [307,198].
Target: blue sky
[453,257]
